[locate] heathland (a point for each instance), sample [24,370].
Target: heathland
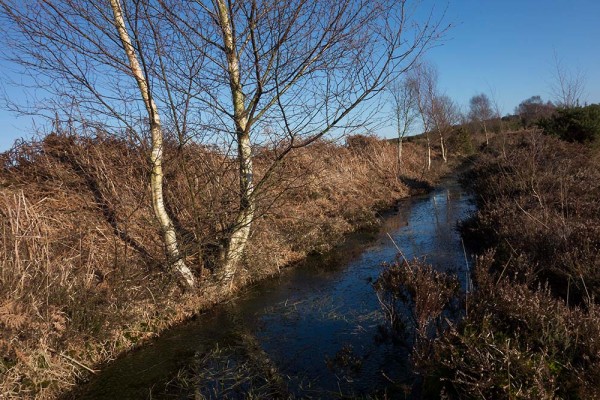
[82,261]
[527,326]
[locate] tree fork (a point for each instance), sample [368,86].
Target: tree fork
[174,256]
[241,229]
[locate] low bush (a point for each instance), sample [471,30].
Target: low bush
[516,343]
[81,276]
[538,203]
[577,124]
[529,329]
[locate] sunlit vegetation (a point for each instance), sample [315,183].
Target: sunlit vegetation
[528,328]
[199,147]
[81,278]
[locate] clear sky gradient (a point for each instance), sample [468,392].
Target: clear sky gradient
[508,47]
[502,48]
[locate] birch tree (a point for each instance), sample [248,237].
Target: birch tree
[295,71]
[405,110]
[480,111]
[86,55]
[568,86]
[438,112]
[417,82]
[445,115]
[237,74]
[156,156]
[533,109]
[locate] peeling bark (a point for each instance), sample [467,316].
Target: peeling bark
[240,231]
[156,180]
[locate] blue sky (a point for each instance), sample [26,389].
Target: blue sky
[505,48]
[508,47]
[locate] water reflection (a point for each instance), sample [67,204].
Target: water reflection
[311,332]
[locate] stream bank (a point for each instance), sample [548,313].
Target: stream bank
[313,331]
[82,273]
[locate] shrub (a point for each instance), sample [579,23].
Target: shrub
[361,142]
[426,292]
[512,342]
[460,142]
[529,330]
[578,124]
[551,188]
[517,343]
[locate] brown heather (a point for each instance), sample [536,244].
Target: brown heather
[538,201]
[81,268]
[531,327]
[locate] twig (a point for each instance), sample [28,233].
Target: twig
[586,289]
[531,216]
[504,269]
[467,274]
[397,248]
[74,361]
[387,377]
[568,289]
[467,278]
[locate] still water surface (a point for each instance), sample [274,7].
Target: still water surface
[289,336]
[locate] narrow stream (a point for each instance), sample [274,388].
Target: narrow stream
[312,332]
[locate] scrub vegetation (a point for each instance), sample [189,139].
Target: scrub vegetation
[189,157]
[82,277]
[192,153]
[529,325]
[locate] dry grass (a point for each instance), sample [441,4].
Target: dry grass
[530,328]
[81,264]
[551,188]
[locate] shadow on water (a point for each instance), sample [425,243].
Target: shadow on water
[312,332]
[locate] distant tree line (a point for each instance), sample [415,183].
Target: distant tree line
[575,124]
[417,98]
[568,121]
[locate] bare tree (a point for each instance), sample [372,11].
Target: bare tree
[438,111]
[444,114]
[237,74]
[293,72]
[533,109]
[497,110]
[87,55]
[497,115]
[416,81]
[568,87]
[480,111]
[156,156]
[404,109]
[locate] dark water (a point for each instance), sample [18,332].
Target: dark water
[312,332]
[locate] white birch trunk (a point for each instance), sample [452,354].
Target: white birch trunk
[487,139]
[400,153]
[241,229]
[399,139]
[156,179]
[428,153]
[443,147]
